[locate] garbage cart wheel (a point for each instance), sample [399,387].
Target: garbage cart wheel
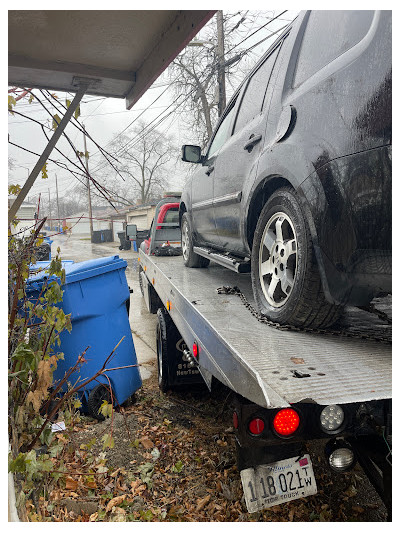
[96,397]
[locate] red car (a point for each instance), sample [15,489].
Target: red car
[166,213]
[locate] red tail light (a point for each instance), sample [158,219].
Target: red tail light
[286,422]
[256,426]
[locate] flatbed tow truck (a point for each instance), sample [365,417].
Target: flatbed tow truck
[290,385]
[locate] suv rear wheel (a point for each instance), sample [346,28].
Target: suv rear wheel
[190,259]
[285,277]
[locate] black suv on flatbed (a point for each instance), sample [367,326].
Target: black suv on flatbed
[295,183]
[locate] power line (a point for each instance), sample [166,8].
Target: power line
[135,119]
[97,114]
[251,35]
[141,134]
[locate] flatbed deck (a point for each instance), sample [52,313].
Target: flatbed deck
[261,362]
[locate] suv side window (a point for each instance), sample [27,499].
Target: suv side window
[253,98]
[222,133]
[329,34]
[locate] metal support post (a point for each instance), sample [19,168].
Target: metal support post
[88,185]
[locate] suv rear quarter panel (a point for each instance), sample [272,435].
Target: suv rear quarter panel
[343,109]
[346,106]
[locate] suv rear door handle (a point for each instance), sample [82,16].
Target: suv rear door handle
[253,140]
[210,169]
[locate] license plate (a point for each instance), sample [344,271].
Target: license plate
[275,483]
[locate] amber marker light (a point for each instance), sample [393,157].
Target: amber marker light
[195,350]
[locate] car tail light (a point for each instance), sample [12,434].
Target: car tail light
[256,426]
[286,422]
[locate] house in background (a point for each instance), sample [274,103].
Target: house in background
[79,223]
[107,218]
[26,216]
[142,215]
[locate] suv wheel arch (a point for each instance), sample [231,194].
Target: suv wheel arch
[258,199]
[182,210]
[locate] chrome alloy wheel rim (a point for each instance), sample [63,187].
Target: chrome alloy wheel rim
[278,259]
[185,241]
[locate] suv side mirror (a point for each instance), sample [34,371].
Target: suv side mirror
[131,232]
[191,153]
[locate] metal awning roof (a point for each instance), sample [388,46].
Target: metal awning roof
[122,52]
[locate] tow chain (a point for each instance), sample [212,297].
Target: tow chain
[261,317]
[371,309]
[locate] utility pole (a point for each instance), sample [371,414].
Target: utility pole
[88,184]
[221,63]
[58,206]
[49,210]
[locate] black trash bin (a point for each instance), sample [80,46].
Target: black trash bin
[96,236]
[125,244]
[107,235]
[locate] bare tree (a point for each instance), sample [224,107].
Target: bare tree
[11,163]
[55,109]
[143,155]
[221,54]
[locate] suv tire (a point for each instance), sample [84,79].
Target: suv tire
[190,259]
[285,278]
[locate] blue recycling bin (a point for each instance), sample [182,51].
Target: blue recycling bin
[96,293]
[48,240]
[42,265]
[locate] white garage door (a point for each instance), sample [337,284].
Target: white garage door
[118,226]
[140,221]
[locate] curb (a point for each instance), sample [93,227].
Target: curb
[12,508]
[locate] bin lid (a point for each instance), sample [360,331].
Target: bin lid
[41,265]
[85,269]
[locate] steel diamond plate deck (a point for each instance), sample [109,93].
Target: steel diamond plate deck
[261,362]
